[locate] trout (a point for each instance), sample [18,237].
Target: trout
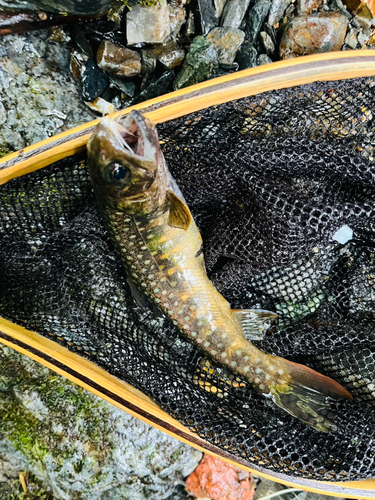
[160,248]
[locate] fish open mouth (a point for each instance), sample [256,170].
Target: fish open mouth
[133,134]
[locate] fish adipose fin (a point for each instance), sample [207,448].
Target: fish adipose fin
[254,322]
[305,396]
[179,214]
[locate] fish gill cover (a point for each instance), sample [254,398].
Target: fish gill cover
[282,188]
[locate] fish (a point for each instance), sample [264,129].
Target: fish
[160,247]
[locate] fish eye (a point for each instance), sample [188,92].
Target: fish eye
[119,172]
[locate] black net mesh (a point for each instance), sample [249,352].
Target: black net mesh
[273,181]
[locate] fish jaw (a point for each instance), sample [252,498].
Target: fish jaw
[127,166]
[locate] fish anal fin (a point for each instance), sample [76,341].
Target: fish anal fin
[179,214]
[254,322]
[305,395]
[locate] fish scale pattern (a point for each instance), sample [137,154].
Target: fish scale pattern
[282,188]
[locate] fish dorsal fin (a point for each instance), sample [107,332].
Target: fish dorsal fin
[254,322]
[179,214]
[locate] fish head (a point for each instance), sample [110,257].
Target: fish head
[126,164]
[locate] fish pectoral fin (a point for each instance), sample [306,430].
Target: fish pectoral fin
[179,214]
[254,322]
[138,297]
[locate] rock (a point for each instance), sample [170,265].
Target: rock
[308,6]
[267,43]
[257,15]
[78,445]
[190,25]
[94,80]
[177,17]
[72,7]
[200,64]
[234,13]
[364,16]
[148,24]
[219,6]
[363,38]
[118,60]
[101,106]
[127,88]
[277,10]
[264,59]
[207,15]
[351,39]
[247,55]
[169,55]
[308,34]
[227,41]
[39,95]
[148,62]
[218,480]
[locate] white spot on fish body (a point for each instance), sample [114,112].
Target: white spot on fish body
[224,355]
[207,344]
[193,334]
[280,372]
[234,364]
[156,290]
[176,303]
[246,369]
[239,352]
[147,262]
[267,377]
[258,370]
[224,335]
[150,276]
[132,236]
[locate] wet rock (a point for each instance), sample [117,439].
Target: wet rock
[79,445]
[73,7]
[277,11]
[264,59]
[149,61]
[218,480]
[208,15]
[308,6]
[219,6]
[127,88]
[255,19]
[247,55]
[118,60]
[364,37]
[148,24]
[94,80]
[169,55]
[157,87]
[200,63]
[308,34]
[267,43]
[227,41]
[101,106]
[351,39]
[177,17]
[234,13]
[36,101]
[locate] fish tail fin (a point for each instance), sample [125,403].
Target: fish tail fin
[305,396]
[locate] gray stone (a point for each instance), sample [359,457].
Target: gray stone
[308,34]
[79,445]
[351,39]
[190,24]
[308,6]
[118,60]
[267,43]
[127,88]
[207,15]
[169,55]
[364,37]
[219,6]
[364,17]
[73,7]
[36,101]
[264,59]
[177,18]
[277,11]
[227,41]
[200,63]
[234,13]
[148,24]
